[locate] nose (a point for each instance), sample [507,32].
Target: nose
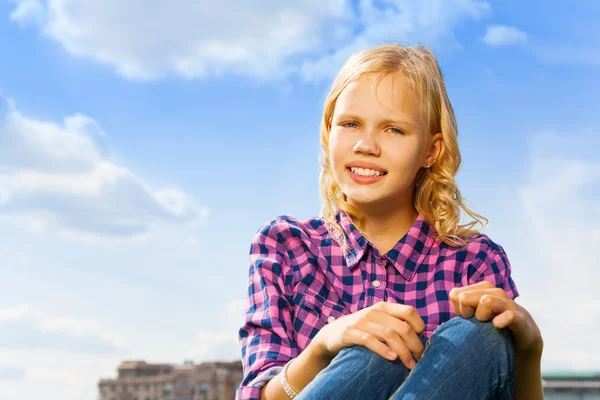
[367,145]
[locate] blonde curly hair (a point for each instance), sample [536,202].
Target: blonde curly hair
[436,194]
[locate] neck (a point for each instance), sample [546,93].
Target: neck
[390,226]
[386,227]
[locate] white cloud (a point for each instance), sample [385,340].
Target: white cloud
[502,35]
[28,11]
[235,311]
[264,39]
[193,241]
[407,22]
[62,375]
[23,327]
[222,345]
[52,375]
[216,346]
[58,177]
[562,234]
[11,373]
[146,39]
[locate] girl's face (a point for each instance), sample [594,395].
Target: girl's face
[379,141]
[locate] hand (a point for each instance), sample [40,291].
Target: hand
[388,329]
[486,301]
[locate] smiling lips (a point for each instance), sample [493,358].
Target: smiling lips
[365,172]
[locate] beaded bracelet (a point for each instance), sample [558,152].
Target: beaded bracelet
[286,387]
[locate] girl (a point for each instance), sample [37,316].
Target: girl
[345,305]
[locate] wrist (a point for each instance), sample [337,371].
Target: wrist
[317,351]
[532,353]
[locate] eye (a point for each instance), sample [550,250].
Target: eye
[349,124]
[396,131]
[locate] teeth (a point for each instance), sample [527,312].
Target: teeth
[365,172]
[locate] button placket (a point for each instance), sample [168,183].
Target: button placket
[377,280]
[377,283]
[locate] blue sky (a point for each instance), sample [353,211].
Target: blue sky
[142,147]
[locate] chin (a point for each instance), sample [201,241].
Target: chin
[364,199]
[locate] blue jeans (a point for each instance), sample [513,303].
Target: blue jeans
[465,359]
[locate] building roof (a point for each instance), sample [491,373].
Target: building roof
[571,380]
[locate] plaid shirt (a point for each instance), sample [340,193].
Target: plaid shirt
[299,280]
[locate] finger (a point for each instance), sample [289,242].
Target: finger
[404,313]
[507,319]
[469,301]
[398,334]
[484,311]
[490,306]
[453,296]
[455,292]
[370,341]
[409,338]
[404,334]
[393,340]
[476,286]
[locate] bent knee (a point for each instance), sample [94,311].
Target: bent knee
[462,331]
[362,357]
[358,353]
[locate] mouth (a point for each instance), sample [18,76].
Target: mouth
[366,172]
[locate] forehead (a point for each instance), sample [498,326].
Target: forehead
[390,97]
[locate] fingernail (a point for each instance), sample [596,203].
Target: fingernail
[412,364]
[392,355]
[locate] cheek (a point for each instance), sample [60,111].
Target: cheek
[407,162]
[337,150]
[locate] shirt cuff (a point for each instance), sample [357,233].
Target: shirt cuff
[248,393]
[262,379]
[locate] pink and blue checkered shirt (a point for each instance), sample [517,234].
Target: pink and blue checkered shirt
[299,280]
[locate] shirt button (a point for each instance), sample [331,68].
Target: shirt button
[376,283]
[330,319]
[384,263]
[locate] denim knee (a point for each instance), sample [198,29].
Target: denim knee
[464,359]
[473,329]
[484,336]
[362,356]
[356,373]
[364,359]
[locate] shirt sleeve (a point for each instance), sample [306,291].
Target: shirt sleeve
[266,337]
[496,269]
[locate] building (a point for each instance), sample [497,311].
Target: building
[138,380]
[571,385]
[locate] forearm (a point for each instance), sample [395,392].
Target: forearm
[299,374]
[528,376]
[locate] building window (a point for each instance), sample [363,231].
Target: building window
[183,383]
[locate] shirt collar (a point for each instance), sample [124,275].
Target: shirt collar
[405,256]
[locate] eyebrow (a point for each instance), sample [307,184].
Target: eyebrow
[386,121]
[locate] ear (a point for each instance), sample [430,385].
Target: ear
[436,143]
